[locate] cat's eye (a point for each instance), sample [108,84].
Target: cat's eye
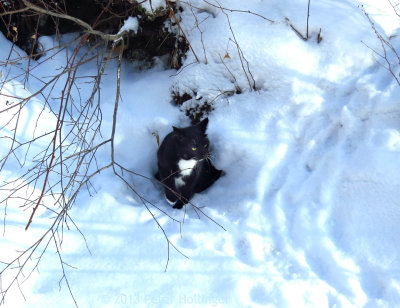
[206,145]
[194,149]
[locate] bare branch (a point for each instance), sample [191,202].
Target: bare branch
[88,28]
[387,48]
[308,17]
[183,32]
[233,11]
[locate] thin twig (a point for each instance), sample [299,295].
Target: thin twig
[308,17]
[201,33]
[233,11]
[180,27]
[386,48]
[252,83]
[58,128]
[86,26]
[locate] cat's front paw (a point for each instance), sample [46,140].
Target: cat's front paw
[178,205]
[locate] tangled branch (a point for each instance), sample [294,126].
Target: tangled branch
[387,52]
[58,164]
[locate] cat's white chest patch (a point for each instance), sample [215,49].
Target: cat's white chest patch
[186,166]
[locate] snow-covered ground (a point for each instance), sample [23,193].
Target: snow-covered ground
[311,196]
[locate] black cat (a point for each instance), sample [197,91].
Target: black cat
[184,165]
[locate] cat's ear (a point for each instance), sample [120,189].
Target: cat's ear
[203,125]
[178,133]
[176,129]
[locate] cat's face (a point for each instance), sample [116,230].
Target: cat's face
[193,147]
[192,141]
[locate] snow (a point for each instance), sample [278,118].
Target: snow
[310,200]
[130,24]
[152,5]
[385,13]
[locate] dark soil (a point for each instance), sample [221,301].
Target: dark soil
[153,38]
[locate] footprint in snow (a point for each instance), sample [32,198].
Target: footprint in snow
[244,251]
[259,294]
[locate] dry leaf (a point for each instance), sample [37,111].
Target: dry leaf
[155,134]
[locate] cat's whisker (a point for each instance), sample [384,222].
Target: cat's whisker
[207,156]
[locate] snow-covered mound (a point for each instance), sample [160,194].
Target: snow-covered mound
[308,133]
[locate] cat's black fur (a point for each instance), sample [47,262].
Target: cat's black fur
[184,165]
